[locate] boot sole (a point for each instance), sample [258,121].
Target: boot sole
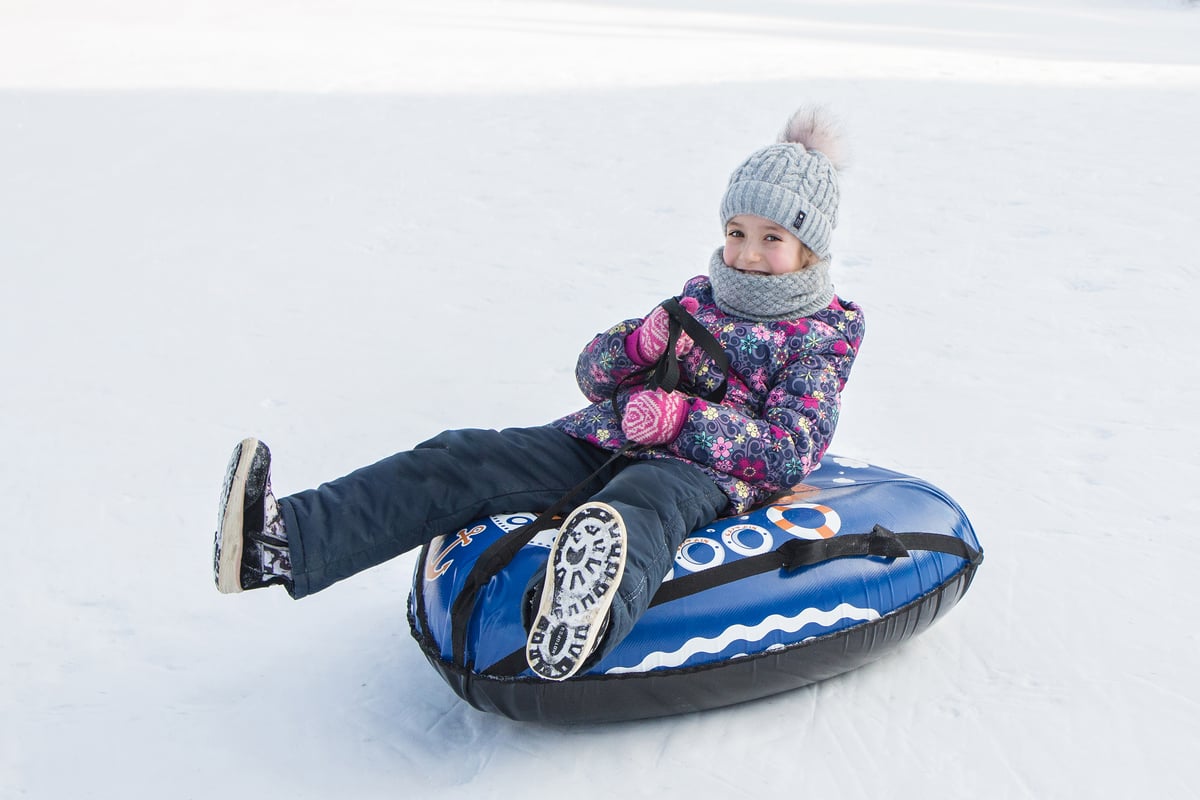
[229,548]
[586,563]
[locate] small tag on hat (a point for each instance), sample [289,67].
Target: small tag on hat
[800,215]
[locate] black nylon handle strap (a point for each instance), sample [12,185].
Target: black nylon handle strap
[490,562]
[941,543]
[666,371]
[511,665]
[796,553]
[705,340]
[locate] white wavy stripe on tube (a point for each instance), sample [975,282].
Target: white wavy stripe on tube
[754,633]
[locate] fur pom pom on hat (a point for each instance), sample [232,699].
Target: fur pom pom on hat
[793,183]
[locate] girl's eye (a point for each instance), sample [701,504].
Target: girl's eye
[735,234]
[773,238]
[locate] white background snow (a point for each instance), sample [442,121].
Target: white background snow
[346,226]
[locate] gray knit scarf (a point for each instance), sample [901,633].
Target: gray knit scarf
[768,298]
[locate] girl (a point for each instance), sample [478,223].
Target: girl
[653,464]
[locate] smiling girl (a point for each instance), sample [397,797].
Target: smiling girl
[653,464]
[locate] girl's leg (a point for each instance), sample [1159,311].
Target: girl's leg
[660,502]
[402,502]
[609,559]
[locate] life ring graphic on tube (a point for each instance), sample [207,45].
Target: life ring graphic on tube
[735,538]
[827,522]
[684,557]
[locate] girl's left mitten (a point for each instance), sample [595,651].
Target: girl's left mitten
[653,416]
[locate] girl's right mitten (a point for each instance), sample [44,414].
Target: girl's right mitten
[648,341]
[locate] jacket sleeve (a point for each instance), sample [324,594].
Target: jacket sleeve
[604,363]
[777,449]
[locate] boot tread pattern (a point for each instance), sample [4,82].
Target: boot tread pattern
[585,566]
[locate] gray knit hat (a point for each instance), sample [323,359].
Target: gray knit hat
[793,183]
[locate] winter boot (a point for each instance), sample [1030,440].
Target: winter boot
[585,566]
[250,549]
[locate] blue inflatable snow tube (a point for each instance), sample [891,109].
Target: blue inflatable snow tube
[836,574]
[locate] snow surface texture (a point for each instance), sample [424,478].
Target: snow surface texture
[264,218]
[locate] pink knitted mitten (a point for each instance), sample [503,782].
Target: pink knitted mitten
[654,416]
[649,341]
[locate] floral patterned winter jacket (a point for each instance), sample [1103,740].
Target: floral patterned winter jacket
[780,409]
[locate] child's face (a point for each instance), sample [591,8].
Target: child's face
[757,245]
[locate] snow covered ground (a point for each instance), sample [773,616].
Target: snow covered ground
[333,225]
